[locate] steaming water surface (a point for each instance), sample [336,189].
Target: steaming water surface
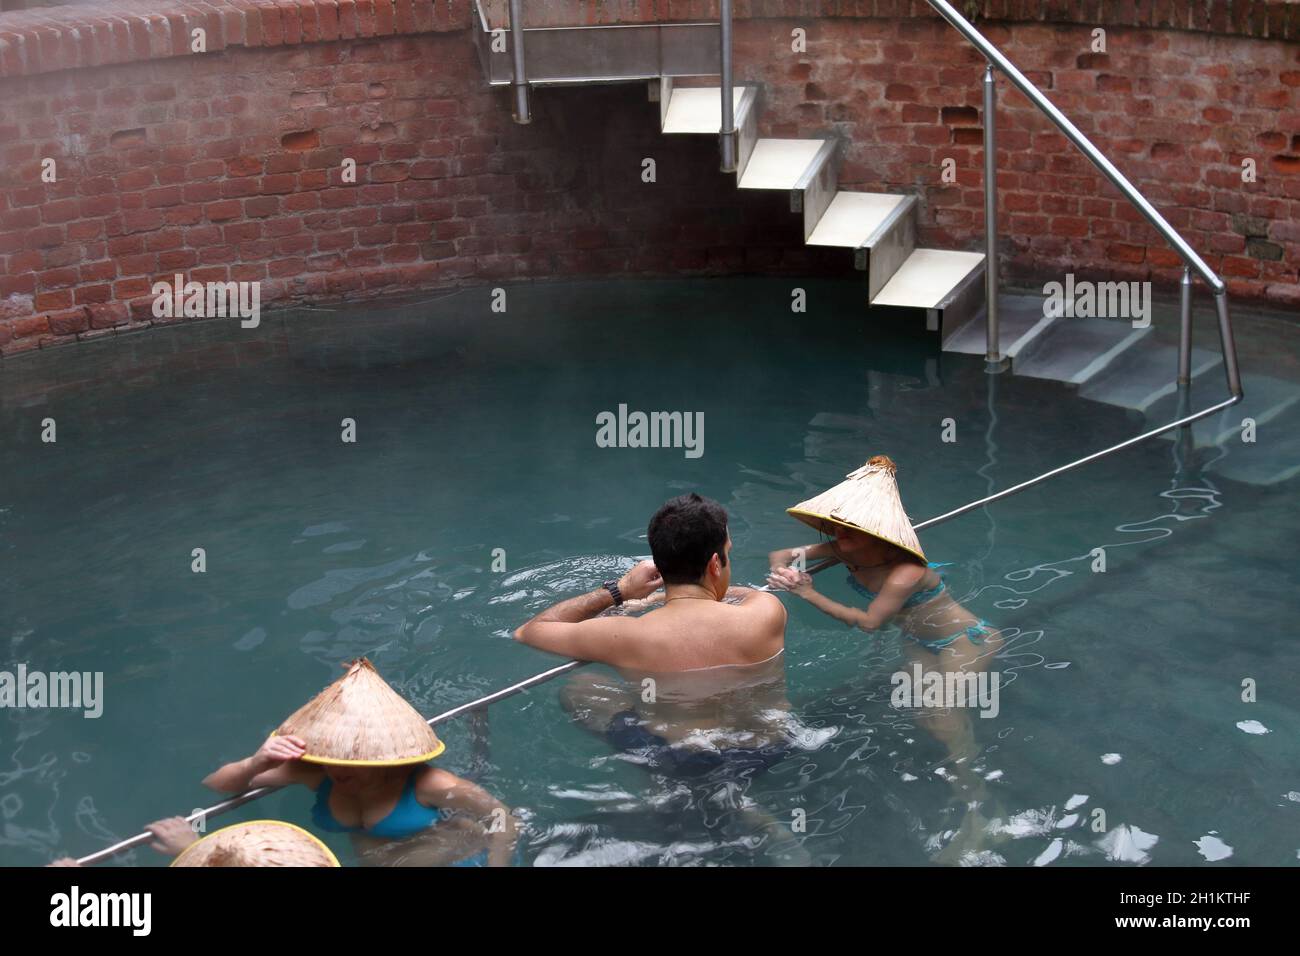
[1121,692]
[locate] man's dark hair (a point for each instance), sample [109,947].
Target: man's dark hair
[684,534]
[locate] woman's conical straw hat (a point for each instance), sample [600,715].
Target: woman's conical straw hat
[258,843]
[359,721]
[866,500]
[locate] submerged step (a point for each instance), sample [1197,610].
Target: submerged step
[1144,375]
[1265,399]
[926,278]
[697,109]
[851,218]
[1020,323]
[1273,457]
[779,163]
[1074,350]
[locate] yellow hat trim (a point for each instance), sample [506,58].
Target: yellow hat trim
[334,861]
[796,513]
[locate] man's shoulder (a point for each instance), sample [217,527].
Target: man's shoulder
[763,615]
[764,602]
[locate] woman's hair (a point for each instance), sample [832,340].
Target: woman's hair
[894,551]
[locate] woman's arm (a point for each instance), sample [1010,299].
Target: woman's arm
[898,586]
[640,604]
[274,765]
[877,615]
[811,552]
[443,789]
[172,836]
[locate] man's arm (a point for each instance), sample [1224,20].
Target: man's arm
[568,628]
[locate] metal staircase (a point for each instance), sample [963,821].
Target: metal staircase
[1110,362]
[957,291]
[945,287]
[880,228]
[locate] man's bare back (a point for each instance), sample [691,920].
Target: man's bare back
[705,666]
[694,628]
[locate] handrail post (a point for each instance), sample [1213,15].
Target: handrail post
[1226,344]
[1185,328]
[1184,438]
[993,360]
[519,82]
[727,131]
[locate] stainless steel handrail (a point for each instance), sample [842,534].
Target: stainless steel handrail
[1193,261]
[994,361]
[727,130]
[523,110]
[1062,122]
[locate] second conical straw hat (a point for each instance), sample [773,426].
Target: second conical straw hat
[360,721]
[866,500]
[257,843]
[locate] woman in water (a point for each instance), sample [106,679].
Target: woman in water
[365,752]
[256,843]
[872,536]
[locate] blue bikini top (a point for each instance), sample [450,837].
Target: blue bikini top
[407,818]
[915,599]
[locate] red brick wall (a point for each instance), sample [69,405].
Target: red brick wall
[226,165]
[1175,111]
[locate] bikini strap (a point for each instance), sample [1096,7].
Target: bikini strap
[411,777]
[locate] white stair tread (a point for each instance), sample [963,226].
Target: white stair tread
[1077,349]
[851,218]
[778,163]
[1144,376]
[697,109]
[1020,323]
[926,277]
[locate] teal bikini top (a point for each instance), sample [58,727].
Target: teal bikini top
[408,817]
[915,599]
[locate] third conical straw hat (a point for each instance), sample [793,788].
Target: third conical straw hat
[866,500]
[360,721]
[258,843]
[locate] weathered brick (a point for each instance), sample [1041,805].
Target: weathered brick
[187,151]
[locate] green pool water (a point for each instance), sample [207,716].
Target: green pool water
[1122,690]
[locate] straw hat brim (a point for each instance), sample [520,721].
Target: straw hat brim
[360,721]
[819,521]
[403,762]
[308,841]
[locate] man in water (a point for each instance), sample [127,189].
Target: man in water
[705,676]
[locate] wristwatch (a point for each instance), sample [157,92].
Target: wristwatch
[614,592]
